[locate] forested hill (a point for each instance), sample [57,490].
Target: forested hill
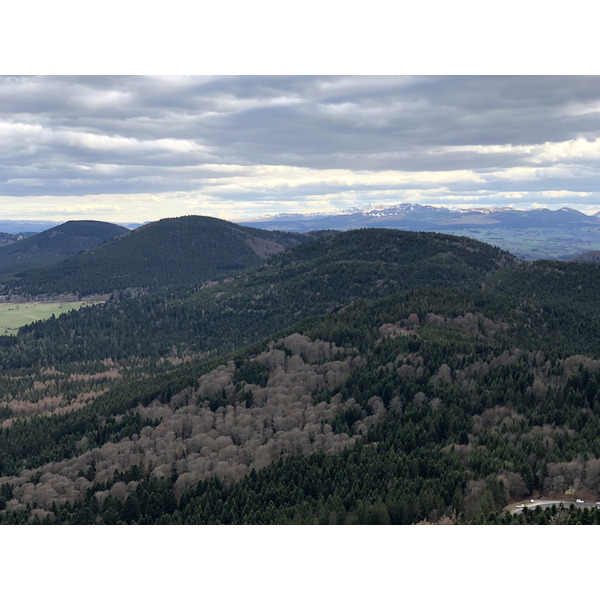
[177,251]
[383,385]
[10,238]
[310,279]
[56,244]
[432,258]
[549,280]
[425,406]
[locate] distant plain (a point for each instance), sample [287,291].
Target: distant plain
[535,243]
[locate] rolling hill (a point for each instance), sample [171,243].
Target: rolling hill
[371,376]
[55,244]
[429,405]
[178,251]
[570,282]
[313,278]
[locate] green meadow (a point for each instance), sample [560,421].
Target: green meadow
[14,316]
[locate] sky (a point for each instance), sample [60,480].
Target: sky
[140,148]
[272,137]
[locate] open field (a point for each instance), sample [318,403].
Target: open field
[14,316]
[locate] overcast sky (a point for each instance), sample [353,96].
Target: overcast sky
[142,148]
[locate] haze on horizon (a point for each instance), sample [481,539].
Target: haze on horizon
[121,148]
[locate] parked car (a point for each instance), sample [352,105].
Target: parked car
[532,500]
[523,506]
[579,501]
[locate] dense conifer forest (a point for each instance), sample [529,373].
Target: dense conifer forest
[365,377]
[54,245]
[165,253]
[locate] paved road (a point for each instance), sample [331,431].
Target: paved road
[549,503]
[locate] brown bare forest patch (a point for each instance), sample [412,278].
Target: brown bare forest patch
[263,248]
[47,406]
[195,442]
[109,375]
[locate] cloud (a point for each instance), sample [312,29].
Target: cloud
[35,137]
[570,150]
[245,142]
[564,194]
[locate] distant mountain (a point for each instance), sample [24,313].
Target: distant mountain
[31,227]
[529,234]
[19,226]
[55,244]
[177,251]
[426,218]
[592,256]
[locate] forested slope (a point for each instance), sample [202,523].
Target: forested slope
[169,252]
[309,279]
[56,244]
[9,238]
[367,395]
[552,280]
[388,414]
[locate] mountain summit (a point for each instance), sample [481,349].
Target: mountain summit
[417,217]
[529,234]
[175,251]
[55,244]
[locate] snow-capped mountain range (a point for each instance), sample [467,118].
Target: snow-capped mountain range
[417,217]
[529,234]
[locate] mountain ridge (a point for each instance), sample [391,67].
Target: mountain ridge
[420,211]
[529,234]
[55,244]
[175,251]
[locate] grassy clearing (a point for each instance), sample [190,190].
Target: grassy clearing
[13,316]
